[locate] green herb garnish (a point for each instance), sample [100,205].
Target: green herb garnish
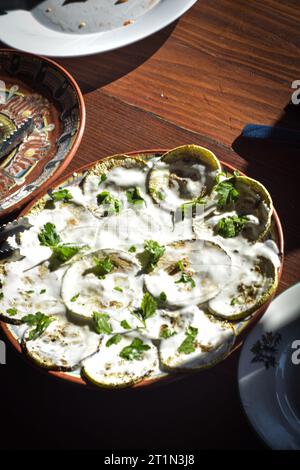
[112,204]
[75,297]
[158,194]
[119,289]
[61,195]
[230,227]
[134,196]
[12,311]
[29,291]
[125,325]
[102,267]
[65,252]
[132,249]
[103,178]
[191,206]
[153,251]
[114,340]
[186,279]
[165,332]
[48,235]
[1,295]
[163,297]
[188,345]
[42,291]
[40,321]
[227,193]
[101,323]
[134,351]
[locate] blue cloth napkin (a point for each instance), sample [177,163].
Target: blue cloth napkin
[274,134]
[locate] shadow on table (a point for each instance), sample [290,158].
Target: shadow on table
[278,167]
[96,71]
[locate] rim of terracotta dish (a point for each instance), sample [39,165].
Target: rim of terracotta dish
[169,377]
[77,140]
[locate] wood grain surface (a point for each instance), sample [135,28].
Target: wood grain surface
[224,64]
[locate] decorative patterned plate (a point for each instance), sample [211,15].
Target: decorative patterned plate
[269,373]
[239,326]
[67,28]
[42,119]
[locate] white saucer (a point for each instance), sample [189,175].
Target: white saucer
[269,380]
[69,28]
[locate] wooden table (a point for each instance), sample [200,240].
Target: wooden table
[224,64]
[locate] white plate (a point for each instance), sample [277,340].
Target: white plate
[271,395]
[68,28]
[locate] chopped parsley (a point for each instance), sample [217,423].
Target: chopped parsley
[102,267]
[165,332]
[101,323]
[125,325]
[230,227]
[75,297]
[1,295]
[158,194]
[119,289]
[132,249]
[134,196]
[134,351]
[163,297]
[42,291]
[12,311]
[61,251]
[103,178]
[188,345]
[153,251]
[39,322]
[61,195]
[234,301]
[227,193]
[29,291]
[186,279]
[113,205]
[114,340]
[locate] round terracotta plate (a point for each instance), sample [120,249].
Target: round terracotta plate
[42,119]
[241,327]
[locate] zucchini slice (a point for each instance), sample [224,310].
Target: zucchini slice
[122,361]
[182,176]
[104,280]
[62,346]
[204,342]
[190,273]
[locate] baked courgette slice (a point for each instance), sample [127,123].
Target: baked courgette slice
[183,176]
[204,342]
[122,361]
[189,273]
[104,280]
[62,346]
[250,286]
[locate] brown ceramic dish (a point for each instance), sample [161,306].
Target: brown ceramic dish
[42,119]
[241,327]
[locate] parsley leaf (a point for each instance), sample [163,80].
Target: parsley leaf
[185,279]
[158,194]
[165,332]
[227,193]
[188,345]
[74,298]
[125,325]
[102,267]
[42,291]
[134,196]
[114,340]
[119,289]
[101,323]
[48,235]
[12,311]
[163,297]
[230,227]
[61,195]
[103,178]
[134,351]
[132,249]
[113,204]
[152,252]
[65,252]
[40,321]
[1,295]
[147,309]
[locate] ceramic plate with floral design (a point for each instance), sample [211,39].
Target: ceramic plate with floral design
[269,373]
[42,118]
